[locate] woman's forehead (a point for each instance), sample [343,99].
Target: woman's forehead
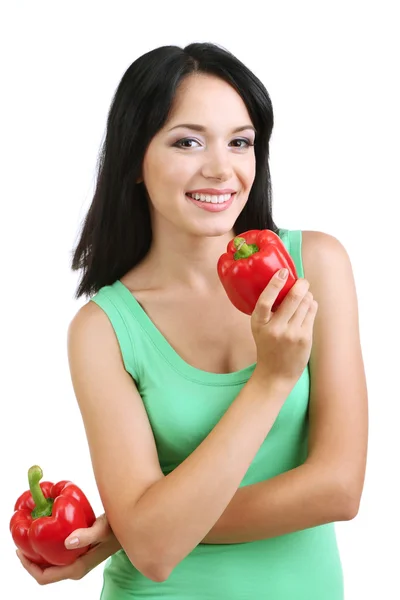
[205,99]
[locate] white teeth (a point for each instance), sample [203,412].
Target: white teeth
[214,199]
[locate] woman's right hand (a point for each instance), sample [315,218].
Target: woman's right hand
[102,542]
[284,337]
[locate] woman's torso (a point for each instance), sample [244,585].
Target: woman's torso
[207,331]
[188,370]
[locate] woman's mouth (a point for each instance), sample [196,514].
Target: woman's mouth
[212,202]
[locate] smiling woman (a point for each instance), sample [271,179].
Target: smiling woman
[235,441]
[199,143]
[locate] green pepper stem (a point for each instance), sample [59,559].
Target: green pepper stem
[43,506]
[243,250]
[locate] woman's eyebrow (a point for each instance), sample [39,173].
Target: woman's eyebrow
[201,128]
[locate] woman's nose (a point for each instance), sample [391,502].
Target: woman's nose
[218,165]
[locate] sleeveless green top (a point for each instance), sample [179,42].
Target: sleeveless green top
[183,405]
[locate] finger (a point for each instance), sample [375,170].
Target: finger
[44,576]
[29,566]
[309,319]
[263,309]
[302,311]
[292,300]
[90,535]
[93,558]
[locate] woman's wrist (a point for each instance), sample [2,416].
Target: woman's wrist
[277,386]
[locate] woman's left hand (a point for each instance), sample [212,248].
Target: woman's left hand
[102,542]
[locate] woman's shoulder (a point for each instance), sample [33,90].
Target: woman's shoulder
[319,240]
[88,323]
[321,249]
[326,262]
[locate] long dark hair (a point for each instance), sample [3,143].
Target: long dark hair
[116,233]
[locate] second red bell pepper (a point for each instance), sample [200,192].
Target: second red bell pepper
[251,260]
[45,515]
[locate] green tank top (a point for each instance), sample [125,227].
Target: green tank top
[183,405]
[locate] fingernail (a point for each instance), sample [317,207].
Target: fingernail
[72,542]
[283,273]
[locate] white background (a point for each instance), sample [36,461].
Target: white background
[332,70]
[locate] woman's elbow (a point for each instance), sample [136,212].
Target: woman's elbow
[151,569]
[156,573]
[149,560]
[349,501]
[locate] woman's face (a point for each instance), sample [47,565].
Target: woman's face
[199,168]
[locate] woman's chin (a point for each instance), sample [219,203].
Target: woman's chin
[215,229]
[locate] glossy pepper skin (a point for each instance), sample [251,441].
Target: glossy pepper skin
[45,515]
[251,259]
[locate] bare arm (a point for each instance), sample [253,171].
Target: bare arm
[329,485]
[298,499]
[177,511]
[158,520]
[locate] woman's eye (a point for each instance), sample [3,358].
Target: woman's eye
[242,143]
[185,143]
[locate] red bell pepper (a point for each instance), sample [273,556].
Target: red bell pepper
[249,263]
[45,515]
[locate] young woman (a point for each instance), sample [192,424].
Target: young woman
[225,446]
